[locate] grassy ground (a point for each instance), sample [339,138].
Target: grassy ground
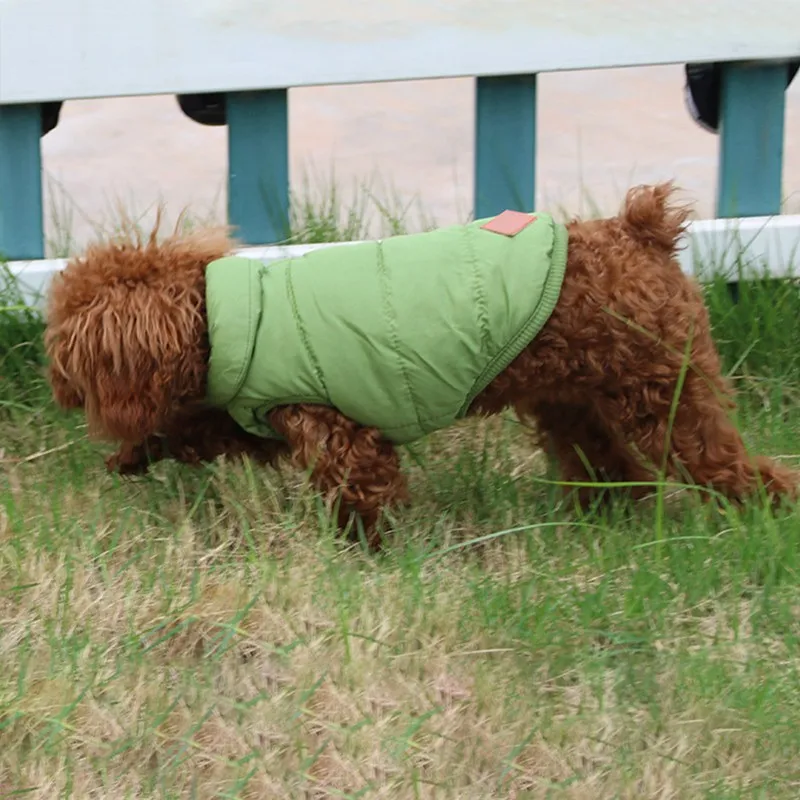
[204,634]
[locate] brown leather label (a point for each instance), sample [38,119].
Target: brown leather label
[509,223]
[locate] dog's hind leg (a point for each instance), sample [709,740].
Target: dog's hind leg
[587,451]
[701,441]
[350,463]
[706,444]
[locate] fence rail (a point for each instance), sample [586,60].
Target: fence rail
[730,249]
[257,51]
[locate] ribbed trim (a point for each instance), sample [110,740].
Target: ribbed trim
[534,324]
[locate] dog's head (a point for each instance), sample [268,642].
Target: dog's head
[126,331]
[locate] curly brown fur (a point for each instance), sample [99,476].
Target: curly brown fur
[126,332]
[127,342]
[351,464]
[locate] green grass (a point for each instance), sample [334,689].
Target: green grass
[203,633]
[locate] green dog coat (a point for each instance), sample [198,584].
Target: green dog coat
[400,334]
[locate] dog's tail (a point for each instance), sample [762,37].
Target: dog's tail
[651,217]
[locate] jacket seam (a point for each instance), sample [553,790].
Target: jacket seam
[251,332]
[481,305]
[391,322]
[304,333]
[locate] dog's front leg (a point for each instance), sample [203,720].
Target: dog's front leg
[134,458]
[350,463]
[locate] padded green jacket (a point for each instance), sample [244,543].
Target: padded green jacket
[399,334]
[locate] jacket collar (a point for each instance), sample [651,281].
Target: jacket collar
[233,310]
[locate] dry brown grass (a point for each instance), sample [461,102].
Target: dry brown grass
[204,635]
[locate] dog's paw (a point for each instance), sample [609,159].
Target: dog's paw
[127,463]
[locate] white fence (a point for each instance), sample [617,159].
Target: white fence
[733,248]
[256,51]
[57,49]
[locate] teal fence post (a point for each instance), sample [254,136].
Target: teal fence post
[258,165]
[751,139]
[505,144]
[21,222]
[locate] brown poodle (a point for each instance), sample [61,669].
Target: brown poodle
[128,342]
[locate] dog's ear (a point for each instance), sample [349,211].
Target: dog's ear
[130,355]
[58,341]
[65,392]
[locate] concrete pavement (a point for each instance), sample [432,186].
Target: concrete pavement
[598,132]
